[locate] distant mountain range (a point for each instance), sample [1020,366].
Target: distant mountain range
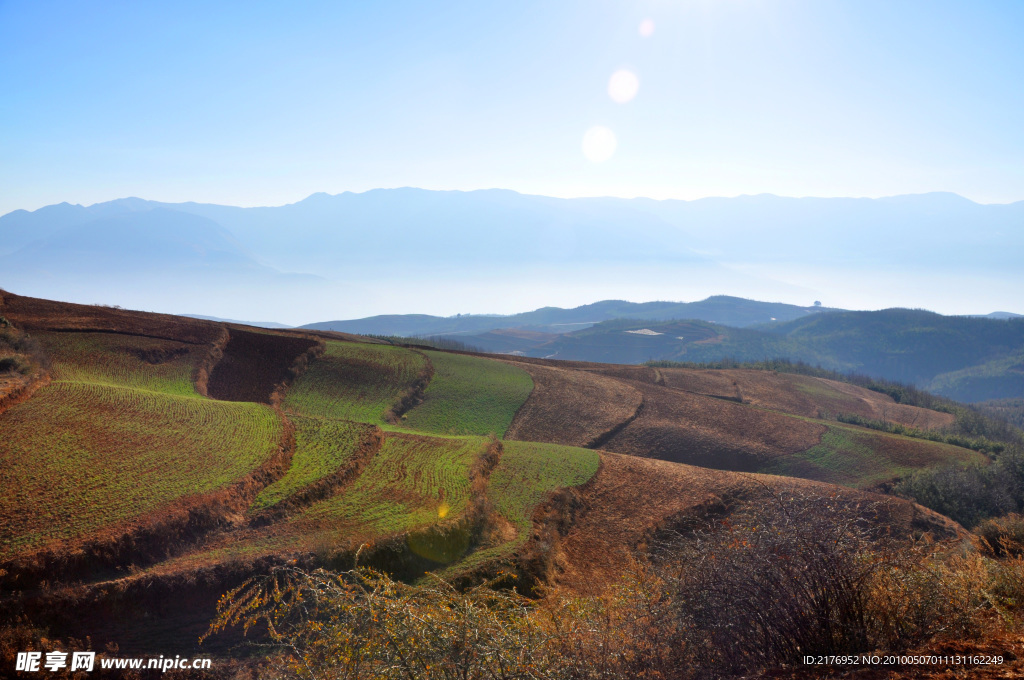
[317,234]
[968,358]
[411,247]
[964,358]
[723,309]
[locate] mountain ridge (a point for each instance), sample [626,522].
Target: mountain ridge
[736,312]
[433,249]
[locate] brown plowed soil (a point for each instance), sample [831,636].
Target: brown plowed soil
[802,395]
[797,394]
[254,364]
[576,408]
[629,497]
[689,428]
[36,314]
[639,374]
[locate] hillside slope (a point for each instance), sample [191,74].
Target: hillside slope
[964,358]
[176,457]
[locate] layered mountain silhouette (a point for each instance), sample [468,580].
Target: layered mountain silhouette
[723,309]
[422,230]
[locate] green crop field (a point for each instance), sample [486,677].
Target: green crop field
[529,471]
[470,395]
[526,474]
[412,482]
[122,360]
[354,381]
[863,458]
[322,446]
[79,457]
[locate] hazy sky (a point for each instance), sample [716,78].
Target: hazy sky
[264,103]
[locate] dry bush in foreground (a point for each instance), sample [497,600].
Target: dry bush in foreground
[362,624]
[809,575]
[724,595]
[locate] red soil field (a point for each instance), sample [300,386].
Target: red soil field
[35,314]
[689,428]
[254,364]
[572,407]
[802,395]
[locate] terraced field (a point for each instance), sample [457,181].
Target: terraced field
[254,364]
[469,395]
[577,408]
[529,471]
[412,482]
[690,428]
[743,420]
[123,360]
[416,482]
[814,397]
[78,458]
[321,447]
[355,381]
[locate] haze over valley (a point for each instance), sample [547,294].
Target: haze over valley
[431,252]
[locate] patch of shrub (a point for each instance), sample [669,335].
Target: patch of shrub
[977,444]
[1006,585]
[808,575]
[361,623]
[1002,535]
[15,364]
[972,494]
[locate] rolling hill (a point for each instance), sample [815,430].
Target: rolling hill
[964,358]
[153,462]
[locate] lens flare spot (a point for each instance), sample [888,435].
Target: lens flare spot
[442,510]
[646,29]
[622,86]
[599,144]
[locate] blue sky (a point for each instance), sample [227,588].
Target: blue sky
[262,104]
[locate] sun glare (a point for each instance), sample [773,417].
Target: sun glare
[599,144]
[623,86]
